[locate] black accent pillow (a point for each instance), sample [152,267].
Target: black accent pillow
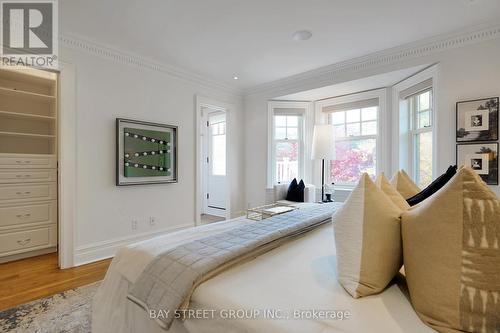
[296,191]
[433,187]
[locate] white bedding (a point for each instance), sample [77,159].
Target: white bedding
[268,282]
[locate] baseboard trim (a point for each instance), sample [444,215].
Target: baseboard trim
[30,254]
[107,249]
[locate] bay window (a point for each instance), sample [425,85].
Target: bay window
[356,134]
[420,141]
[287,123]
[359,122]
[287,147]
[415,126]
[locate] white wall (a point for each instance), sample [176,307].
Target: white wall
[107,89]
[468,72]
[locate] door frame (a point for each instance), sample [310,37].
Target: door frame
[67,164]
[206,102]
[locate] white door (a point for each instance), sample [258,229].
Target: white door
[215,164]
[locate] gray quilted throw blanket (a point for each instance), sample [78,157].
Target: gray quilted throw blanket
[168,282]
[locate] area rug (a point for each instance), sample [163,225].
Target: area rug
[68,311]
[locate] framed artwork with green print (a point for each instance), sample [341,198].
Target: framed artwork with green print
[146,153]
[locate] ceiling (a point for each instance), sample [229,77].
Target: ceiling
[354,86]
[253,38]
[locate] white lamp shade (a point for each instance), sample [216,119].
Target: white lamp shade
[323,143]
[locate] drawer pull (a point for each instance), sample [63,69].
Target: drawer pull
[27,176]
[24,242]
[20,193]
[23,215]
[21,162]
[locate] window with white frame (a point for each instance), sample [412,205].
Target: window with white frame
[287,146]
[356,136]
[420,132]
[218,144]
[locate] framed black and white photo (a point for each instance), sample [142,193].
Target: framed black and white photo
[477,120]
[146,153]
[482,158]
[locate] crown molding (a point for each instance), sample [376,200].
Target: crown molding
[80,43]
[327,74]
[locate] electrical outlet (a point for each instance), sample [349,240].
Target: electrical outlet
[134,224]
[152,221]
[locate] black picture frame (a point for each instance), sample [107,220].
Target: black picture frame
[470,113]
[121,180]
[491,177]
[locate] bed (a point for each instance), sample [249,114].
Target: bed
[292,288]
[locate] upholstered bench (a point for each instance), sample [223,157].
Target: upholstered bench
[280,191]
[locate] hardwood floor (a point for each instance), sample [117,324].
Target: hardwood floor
[29,279]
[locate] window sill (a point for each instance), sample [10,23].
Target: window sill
[343,188]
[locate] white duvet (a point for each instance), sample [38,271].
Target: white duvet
[290,289]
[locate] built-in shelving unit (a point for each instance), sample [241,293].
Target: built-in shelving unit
[29,135]
[26,94]
[28,162]
[7,114]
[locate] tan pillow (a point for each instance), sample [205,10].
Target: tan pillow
[451,245]
[383,183]
[404,184]
[368,240]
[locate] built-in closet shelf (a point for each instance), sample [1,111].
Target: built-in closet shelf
[28,75]
[21,115]
[27,94]
[28,163]
[27,135]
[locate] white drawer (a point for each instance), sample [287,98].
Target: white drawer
[10,176]
[29,213]
[27,240]
[30,161]
[27,192]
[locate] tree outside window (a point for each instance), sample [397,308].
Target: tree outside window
[356,133]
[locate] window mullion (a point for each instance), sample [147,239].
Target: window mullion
[422,130]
